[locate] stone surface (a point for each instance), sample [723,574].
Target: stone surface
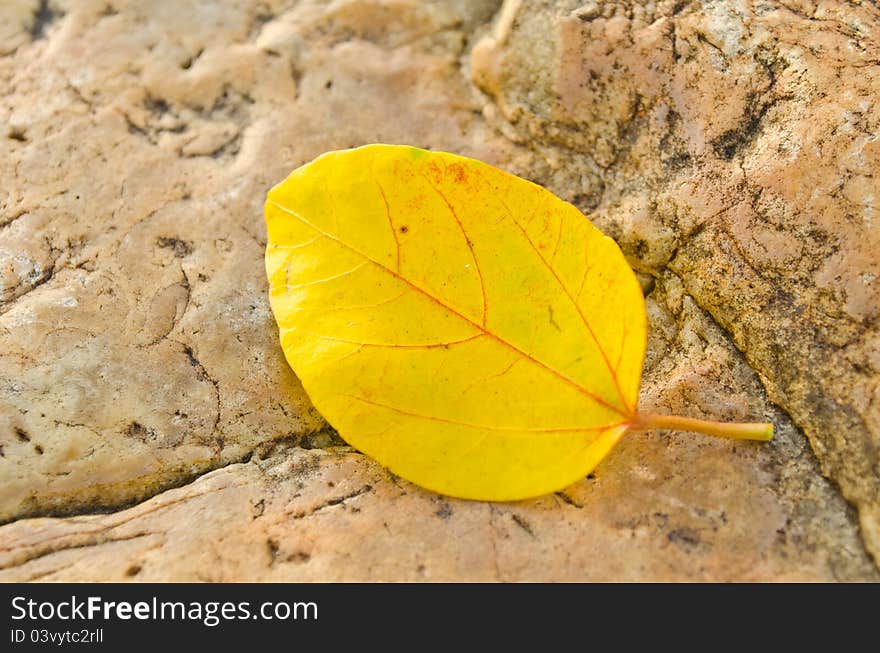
[661,507]
[735,145]
[137,350]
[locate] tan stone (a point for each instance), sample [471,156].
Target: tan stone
[137,348]
[138,352]
[733,144]
[661,507]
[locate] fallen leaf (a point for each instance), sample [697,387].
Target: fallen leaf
[464,327]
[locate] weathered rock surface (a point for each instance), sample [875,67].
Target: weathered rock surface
[661,507]
[734,144]
[137,350]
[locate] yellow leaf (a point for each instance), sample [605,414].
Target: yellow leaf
[466,328]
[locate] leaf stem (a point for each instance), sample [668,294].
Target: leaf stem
[737,431]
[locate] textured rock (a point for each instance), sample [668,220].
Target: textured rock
[661,507]
[137,350]
[734,144]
